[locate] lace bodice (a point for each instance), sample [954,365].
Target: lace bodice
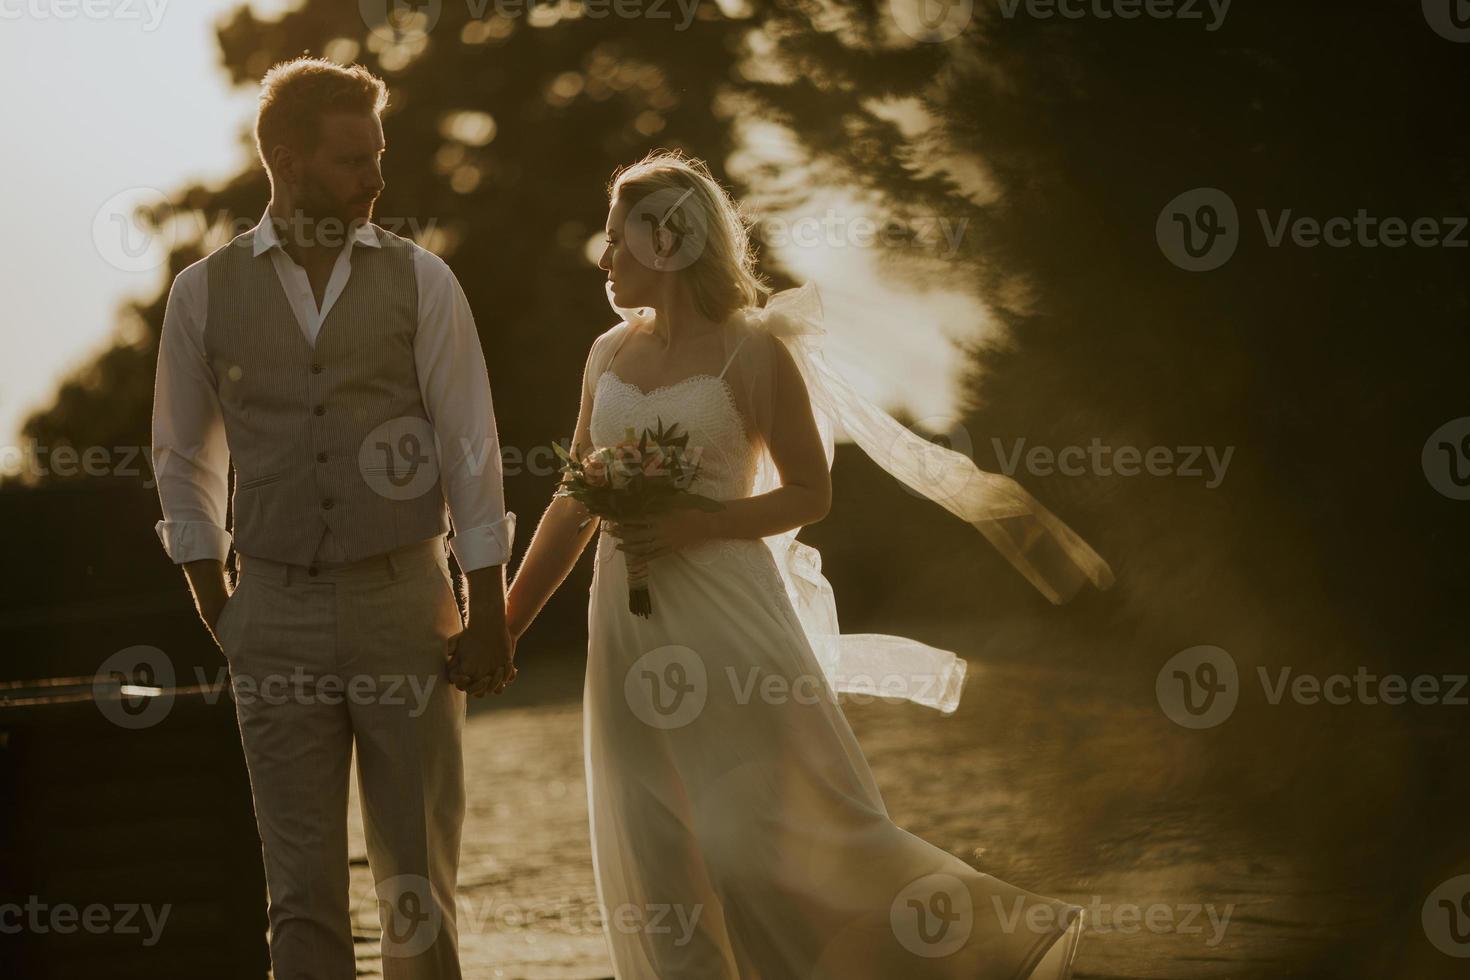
[703,406]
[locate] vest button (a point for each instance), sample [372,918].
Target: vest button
[326,503]
[320,410]
[316,368]
[311,570]
[321,457]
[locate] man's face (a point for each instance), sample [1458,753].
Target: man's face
[342,176]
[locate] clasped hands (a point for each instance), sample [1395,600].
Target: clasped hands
[482,658]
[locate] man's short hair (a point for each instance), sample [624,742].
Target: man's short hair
[296,94]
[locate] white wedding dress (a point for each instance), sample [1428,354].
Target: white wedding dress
[736,829]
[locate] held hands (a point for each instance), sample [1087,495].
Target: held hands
[647,538]
[482,658]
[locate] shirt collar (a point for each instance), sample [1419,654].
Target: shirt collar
[265,237]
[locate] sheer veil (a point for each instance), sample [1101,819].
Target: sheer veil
[1042,548]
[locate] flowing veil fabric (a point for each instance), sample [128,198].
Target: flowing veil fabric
[1042,548]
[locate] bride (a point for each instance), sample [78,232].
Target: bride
[736,829]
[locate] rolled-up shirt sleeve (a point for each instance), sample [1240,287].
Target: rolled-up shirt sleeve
[191,460]
[455,388]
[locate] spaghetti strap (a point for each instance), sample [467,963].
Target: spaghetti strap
[732,355]
[607,366]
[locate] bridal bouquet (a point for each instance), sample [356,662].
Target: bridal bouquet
[637,478]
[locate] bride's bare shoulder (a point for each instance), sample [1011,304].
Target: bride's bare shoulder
[608,340]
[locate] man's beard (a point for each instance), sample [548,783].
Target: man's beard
[317,204]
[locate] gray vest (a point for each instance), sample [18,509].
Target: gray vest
[297,419]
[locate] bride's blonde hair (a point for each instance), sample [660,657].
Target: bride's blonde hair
[722,278]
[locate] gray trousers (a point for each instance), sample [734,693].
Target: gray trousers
[323,657]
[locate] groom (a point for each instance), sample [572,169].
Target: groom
[338,367]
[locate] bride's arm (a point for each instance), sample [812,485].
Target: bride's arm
[805,493]
[557,543]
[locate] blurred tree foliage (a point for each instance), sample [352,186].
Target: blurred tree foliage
[1058,142]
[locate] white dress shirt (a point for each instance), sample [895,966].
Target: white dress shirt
[192,461]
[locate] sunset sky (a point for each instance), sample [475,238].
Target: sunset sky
[136,104]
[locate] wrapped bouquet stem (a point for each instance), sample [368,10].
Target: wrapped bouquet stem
[640,602]
[637,478]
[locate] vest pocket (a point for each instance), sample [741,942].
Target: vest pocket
[259,481]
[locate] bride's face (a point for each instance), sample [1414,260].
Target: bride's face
[634,282]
